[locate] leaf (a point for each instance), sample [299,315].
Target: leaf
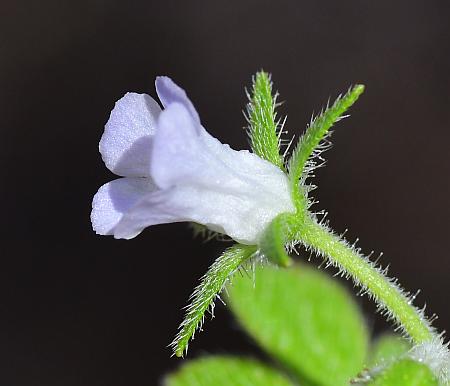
[206,292]
[261,115]
[387,348]
[310,145]
[305,320]
[226,371]
[405,372]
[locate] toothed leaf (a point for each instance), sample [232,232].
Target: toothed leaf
[262,119]
[305,320]
[388,348]
[226,371]
[308,147]
[405,372]
[205,293]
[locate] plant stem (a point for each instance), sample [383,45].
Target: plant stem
[387,294]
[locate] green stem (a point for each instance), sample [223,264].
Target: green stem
[385,291]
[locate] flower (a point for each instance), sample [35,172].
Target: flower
[173,170]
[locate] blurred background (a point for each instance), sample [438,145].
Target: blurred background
[80,309]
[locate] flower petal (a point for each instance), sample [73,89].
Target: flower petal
[126,143]
[156,207]
[177,152]
[169,92]
[232,192]
[115,199]
[242,218]
[194,177]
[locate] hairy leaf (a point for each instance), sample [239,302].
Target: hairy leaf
[405,372]
[304,319]
[387,348]
[274,239]
[226,371]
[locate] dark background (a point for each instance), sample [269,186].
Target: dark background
[80,309]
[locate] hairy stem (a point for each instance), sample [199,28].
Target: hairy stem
[388,295]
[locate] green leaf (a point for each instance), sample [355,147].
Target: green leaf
[226,371]
[261,115]
[387,348]
[206,292]
[405,372]
[309,147]
[304,319]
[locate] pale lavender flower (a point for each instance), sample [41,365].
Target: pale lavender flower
[175,171]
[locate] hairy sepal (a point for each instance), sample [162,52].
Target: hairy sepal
[204,295]
[307,154]
[264,129]
[275,238]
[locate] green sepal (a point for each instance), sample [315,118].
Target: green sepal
[275,237]
[261,115]
[308,146]
[202,231]
[206,292]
